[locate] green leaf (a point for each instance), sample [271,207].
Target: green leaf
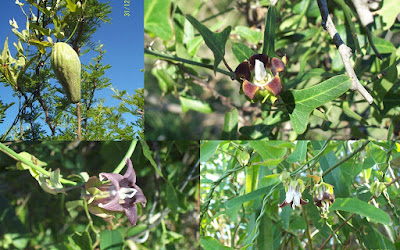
[239,200]
[271,155]
[193,104]
[266,235]
[230,128]
[156,18]
[164,79]
[172,198]
[71,5]
[251,181]
[383,46]
[300,103]
[389,12]
[111,240]
[241,51]
[269,33]
[253,36]
[299,153]
[147,154]
[210,243]
[357,206]
[215,41]
[350,113]
[81,240]
[207,150]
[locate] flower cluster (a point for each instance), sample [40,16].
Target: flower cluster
[323,193]
[323,196]
[265,82]
[113,193]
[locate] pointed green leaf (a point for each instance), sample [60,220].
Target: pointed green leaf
[251,35]
[299,153]
[230,125]
[81,240]
[215,41]
[172,198]
[208,149]
[71,5]
[111,240]
[300,103]
[156,18]
[210,243]
[360,207]
[271,155]
[242,52]
[269,33]
[147,154]
[193,104]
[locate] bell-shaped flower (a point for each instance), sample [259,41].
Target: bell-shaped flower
[265,80]
[323,196]
[293,194]
[113,193]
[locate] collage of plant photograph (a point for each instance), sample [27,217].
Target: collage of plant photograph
[199,124]
[288,70]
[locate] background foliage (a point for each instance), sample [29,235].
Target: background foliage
[34,219]
[43,109]
[241,189]
[192,90]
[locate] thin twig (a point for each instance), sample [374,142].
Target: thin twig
[335,231]
[344,50]
[345,158]
[79,121]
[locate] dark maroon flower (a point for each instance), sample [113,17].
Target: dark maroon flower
[115,193]
[266,75]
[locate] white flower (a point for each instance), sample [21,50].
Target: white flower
[261,76]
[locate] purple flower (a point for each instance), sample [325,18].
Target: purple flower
[118,194]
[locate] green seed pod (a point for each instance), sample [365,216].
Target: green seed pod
[67,67]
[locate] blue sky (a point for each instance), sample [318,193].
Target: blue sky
[123,40]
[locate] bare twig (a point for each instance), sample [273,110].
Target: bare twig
[79,121]
[344,50]
[363,12]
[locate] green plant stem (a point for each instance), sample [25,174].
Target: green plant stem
[308,231]
[179,59]
[79,121]
[85,205]
[345,158]
[256,230]
[128,154]
[41,170]
[313,160]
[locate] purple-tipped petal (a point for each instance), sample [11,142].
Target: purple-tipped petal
[275,86]
[277,65]
[263,58]
[303,202]
[139,196]
[113,205]
[250,89]
[131,213]
[130,172]
[243,70]
[284,203]
[114,178]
